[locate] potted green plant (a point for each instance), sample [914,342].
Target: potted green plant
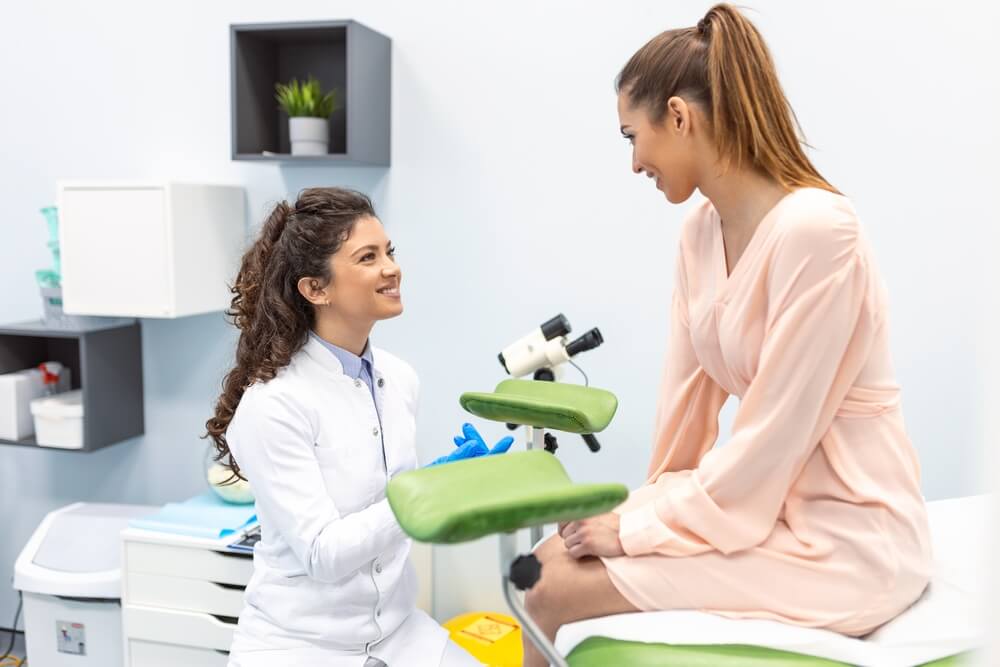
[309,111]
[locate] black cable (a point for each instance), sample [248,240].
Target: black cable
[586,380]
[13,629]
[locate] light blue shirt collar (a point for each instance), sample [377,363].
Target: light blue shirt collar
[352,363]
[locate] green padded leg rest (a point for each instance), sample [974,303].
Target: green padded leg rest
[601,652]
[466,500]
[571,408]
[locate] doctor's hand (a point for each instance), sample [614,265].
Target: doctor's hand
[593,536]
[479,448]
[471,445]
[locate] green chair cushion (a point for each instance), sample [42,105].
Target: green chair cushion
[466,500]
[601,651]
[558,406]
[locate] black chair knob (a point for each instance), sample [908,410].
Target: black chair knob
[525,572]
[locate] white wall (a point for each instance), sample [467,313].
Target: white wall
[510,199]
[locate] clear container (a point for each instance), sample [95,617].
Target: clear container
[51,214]
[217,474]
[55,318]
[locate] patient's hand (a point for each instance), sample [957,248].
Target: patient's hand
[594,536]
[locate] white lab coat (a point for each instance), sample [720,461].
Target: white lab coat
[332,581]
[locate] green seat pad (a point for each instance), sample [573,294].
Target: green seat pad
[558,406]
[465,500]
[601,652]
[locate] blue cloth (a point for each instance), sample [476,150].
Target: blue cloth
[358,368]
[206,515]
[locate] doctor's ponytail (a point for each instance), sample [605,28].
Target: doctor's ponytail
[723,65]
[274,319]
[248,285]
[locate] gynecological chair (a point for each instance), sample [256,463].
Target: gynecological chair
[470,499]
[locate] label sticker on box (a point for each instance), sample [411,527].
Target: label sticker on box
[488,630]
[71,638]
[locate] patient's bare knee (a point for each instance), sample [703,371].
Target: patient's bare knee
[536,601]
[550,548]
[543,600]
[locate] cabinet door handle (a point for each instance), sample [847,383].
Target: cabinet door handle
[231,620]
[230,587]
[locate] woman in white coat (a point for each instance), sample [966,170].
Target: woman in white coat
[318,421]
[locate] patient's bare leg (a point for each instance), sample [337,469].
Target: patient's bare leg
[569,590]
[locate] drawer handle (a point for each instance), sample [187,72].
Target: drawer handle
[230,587]
[72,598]
[219,650]
[231,620]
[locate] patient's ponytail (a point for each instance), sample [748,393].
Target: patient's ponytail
[723,65]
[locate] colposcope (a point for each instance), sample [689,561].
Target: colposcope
[543,354]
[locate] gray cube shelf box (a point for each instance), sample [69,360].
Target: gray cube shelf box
[106,362]
[342,54]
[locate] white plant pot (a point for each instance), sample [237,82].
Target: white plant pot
[309,136]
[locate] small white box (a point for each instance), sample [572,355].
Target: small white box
[17,390]
[159,249]
[59,420]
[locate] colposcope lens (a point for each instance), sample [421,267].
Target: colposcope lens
[557,326]
[587,341]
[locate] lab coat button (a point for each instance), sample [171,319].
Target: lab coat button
[378,613]
[381,382]
[375,431]
[357,382]
[378,568]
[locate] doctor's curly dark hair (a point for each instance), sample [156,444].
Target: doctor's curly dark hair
[274,319]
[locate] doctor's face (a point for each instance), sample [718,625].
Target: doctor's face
[366,278]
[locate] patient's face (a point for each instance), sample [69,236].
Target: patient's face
[662,151]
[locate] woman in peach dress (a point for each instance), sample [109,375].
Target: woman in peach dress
[811,513]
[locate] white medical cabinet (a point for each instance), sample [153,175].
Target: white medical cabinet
[181,597]
[149,249]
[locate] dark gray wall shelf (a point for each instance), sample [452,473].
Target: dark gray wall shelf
[106,362]
[341,54]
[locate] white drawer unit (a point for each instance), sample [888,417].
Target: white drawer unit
[188,561]
[152,590]
[181,597]
[155,654]
[180,628]
[149,249]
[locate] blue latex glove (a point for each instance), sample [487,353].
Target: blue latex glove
[471,445]
[470,434]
